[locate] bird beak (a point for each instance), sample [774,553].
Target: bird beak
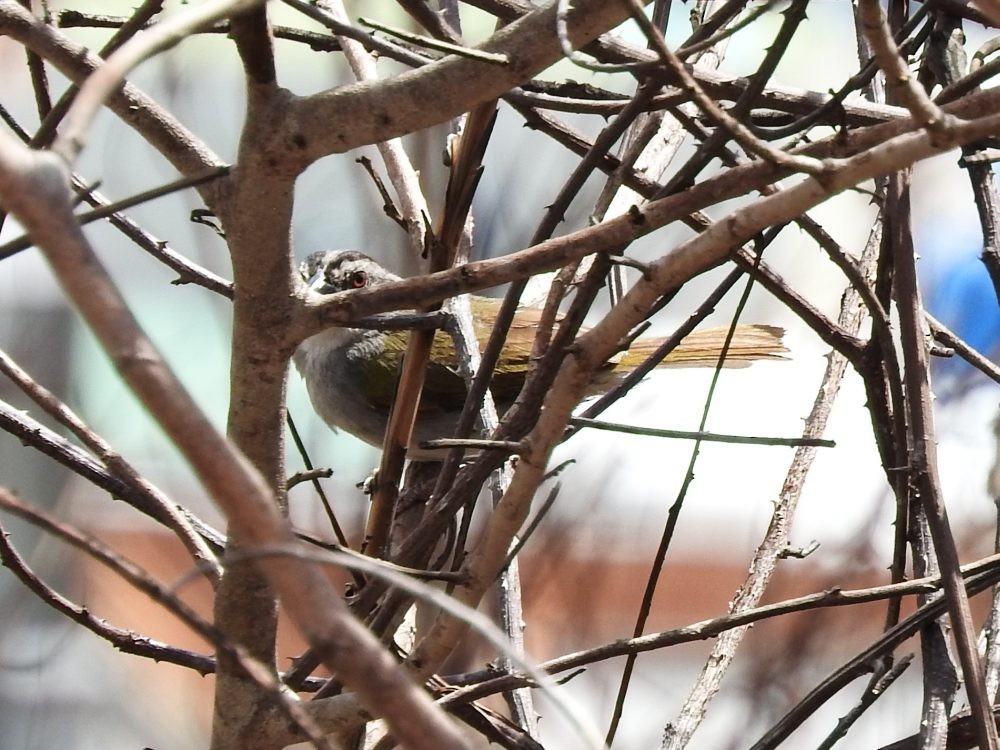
[316,281]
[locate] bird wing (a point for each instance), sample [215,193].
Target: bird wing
[702,348]
[444,387]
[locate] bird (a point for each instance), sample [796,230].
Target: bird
[350,373]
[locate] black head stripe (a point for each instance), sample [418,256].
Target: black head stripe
[327,261]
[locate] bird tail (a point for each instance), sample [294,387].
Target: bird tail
[702,348]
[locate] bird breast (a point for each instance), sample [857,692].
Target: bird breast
[332,365]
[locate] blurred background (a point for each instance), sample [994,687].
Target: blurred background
[585,569]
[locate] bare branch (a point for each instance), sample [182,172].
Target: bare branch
[126,641]
[966,352]
[902,148]
[924,478]
[981,575]
[62,451]
[138,578]
[109,76]
[175,519]
[232,482]
[164,132]
[597,345]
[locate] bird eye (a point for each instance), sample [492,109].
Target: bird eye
[358,279]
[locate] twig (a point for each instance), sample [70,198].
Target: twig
[241,492]
[580,724]
[966,352]
[828,331]
[388,206]
[533,525]
[309,475]
[510,446]
[491,353]
[435,44]
[737,130]
[690,48]
[18,244]
[126,641]
[173,515]
[666,537]
[320,492]
[435,320]
[443,23]
[187,271]
[61,450]
[138,578]
[402,175]
[981,575]
[898,77]
[876,689]
[669,344]
[527,97]
[862,662]
[110,75]
[69,18]
[566,45]
[707,437]
[923,475]
[343,29]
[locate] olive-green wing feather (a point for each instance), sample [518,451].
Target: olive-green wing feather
[702,348]
[444,388]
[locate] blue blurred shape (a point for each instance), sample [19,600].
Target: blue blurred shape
[962,297]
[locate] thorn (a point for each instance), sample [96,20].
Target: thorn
[799,553]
